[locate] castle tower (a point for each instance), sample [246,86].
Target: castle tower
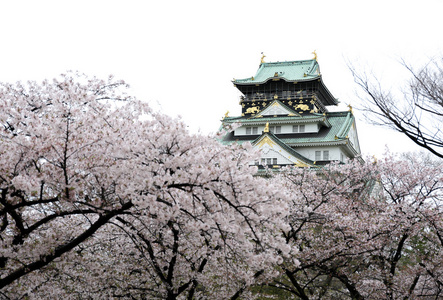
[284,114]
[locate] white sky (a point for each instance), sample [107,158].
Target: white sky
[182,55]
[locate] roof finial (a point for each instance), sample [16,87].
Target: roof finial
[262,60]
[315,55]
[266,127]
[226,115]
[350,108]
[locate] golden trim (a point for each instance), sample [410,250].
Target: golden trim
[252,110]
[300,164]
[302,107]
[266,140]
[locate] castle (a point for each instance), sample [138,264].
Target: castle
[284,114]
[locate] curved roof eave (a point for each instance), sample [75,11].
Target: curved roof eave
[319,143]
[290,71]
[250,81]
[281,120]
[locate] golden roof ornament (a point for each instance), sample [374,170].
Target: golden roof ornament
[262,60]
[315,55]
[266,127]
[226,114]
[350,108]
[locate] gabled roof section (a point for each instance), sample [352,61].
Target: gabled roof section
[276,108]
[291,71]
[289,119]
[335,130]
[341,123]
[346,126]
[268,139]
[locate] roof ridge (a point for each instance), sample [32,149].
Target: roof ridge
[288,61]
[345,126]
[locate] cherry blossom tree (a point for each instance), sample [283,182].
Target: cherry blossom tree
[100,197]
[365,231]
[56,169]
[208,236]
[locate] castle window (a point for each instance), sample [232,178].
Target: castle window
[298,128]
[251,130]
[317,155]
[276,129]
[269,161]
[326,155]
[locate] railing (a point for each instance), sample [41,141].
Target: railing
[293,95]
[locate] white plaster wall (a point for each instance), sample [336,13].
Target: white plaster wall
[281,159]
[285,128]
[242,130]
[309,152]
[311,127]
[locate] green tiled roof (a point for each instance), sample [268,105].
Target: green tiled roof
[279,120]
[291,71]
[339,126]
[340,122]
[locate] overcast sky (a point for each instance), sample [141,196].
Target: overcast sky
[182,55]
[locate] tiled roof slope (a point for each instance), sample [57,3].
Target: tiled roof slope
[340,124]
[310,118]
[290,71]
